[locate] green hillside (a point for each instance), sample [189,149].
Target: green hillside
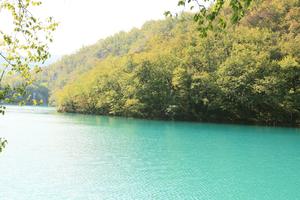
[69,67]
[248,73]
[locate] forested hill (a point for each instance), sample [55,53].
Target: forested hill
[69,67]
[248,73]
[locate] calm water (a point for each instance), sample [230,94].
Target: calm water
[69,156]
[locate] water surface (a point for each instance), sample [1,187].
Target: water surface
[71,156]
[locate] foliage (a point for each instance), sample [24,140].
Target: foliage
[250,73]
[23,46]
[2,144]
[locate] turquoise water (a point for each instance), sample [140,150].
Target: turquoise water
[70,156]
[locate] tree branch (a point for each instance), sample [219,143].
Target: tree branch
[3,72]
[201,6]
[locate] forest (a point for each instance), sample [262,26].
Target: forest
[247,73]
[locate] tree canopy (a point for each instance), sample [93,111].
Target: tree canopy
[249,73]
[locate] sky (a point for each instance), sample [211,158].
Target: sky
[84,22]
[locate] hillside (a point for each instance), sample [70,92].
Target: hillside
[69,67]
[250,73]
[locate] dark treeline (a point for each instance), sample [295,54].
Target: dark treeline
[248,73]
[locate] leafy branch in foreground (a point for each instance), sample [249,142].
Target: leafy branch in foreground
[2,144]
[208,13]
[23,46]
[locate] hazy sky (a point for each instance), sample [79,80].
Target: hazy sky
[84,22]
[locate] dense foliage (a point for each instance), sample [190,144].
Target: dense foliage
[248,73]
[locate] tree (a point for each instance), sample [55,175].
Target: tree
[248,73]
[23,47]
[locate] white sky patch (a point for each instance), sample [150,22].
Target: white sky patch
[84,22]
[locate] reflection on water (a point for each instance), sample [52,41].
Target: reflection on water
[71,156]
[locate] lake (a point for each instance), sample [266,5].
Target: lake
[72,156]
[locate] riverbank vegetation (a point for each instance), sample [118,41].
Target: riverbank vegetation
[249,72]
